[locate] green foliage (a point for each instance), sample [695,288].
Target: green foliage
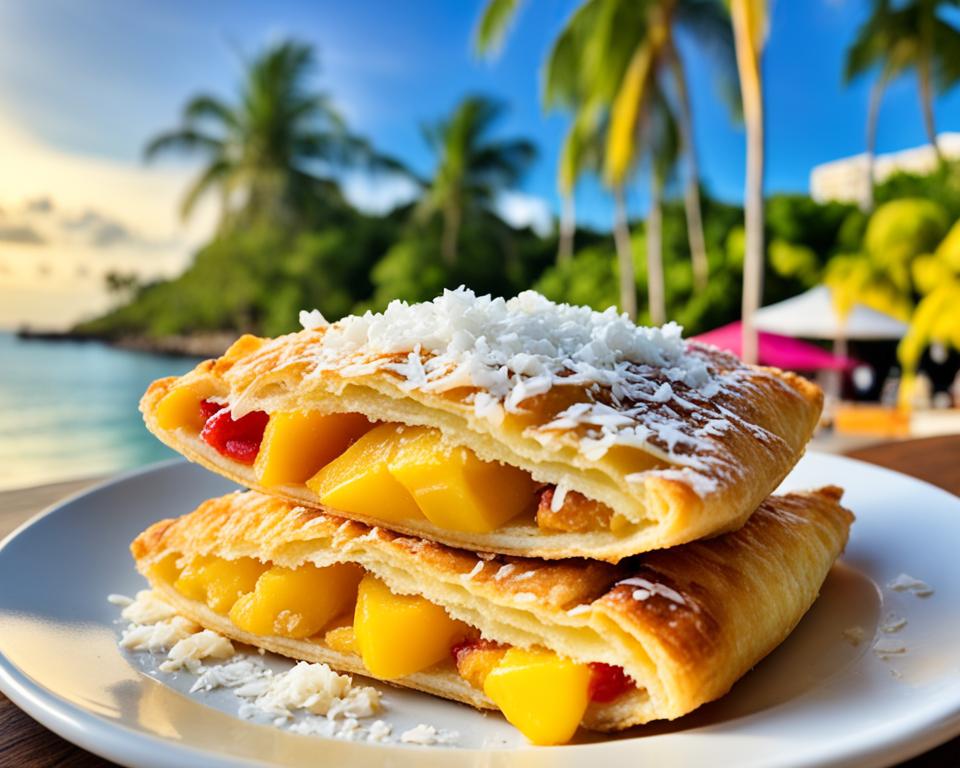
[852,230]
[257,149]
[856,278]
[901,230]
[935,320]
[591,276]
[942,186]
[411,270]
[257,280]
[891,265]
[800,219]
[794,261]
[949,249]
[928,272]
[472,167]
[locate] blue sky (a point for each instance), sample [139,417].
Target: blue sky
[99,77]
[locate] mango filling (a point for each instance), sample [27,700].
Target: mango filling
[541,693]
[386,472]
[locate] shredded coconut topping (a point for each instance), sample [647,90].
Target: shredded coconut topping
[148,608]
[646,388]
[233,674]
[158,637]
[190,651]
[428,734]
[515,348]
[884,649]
[311,320]
[893,623]
[906,583]
[121,600]
[310,699]
[475,571]
[645,589]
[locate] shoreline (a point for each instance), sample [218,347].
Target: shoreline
[194,345]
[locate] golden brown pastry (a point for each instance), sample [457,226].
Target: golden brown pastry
[605,646]
[521,427]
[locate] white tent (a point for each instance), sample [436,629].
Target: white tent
[812,315]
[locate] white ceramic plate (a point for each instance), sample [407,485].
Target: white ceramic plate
[817,700]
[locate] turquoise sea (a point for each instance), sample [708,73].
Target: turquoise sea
[69,409]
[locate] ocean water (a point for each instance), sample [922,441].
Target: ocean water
[69,409]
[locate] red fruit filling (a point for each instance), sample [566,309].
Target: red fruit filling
[236,439]
[607,682]
[208,408]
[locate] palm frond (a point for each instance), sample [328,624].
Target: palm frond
[708,22]
[213,174]
[621,150]
[184,140]
[564,79]
[946,46]
[582,149]
[203,107]
[502,163]
[495,20]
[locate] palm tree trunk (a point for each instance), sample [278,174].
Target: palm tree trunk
[925,75]
[873,113]
[451,235]
[621,238]
[691,195]
[748,63]
[568,228]
[654,241]
[926,102]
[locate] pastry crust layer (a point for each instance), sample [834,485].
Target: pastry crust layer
[696,465]
[685,623]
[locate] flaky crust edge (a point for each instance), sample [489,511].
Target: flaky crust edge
[258,374]
[739,594]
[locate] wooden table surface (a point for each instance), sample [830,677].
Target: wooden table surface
[27,744]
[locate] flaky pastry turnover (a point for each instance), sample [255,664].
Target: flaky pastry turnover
[520,427]
[552,644]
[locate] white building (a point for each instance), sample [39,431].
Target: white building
[846,179]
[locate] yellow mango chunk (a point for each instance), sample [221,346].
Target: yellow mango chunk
[166,569]
[398,635]
[192,583]
[456,490]
[228,580]
[218,582]
[180,408]
[297,602]
[359,480]
[540,693]
[298,443]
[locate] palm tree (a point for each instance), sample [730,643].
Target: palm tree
[664,141]
[471,167]
[582,151]
[894,40]
[612,33]
[750,24]
[264,150]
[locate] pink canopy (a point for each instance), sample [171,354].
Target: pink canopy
[778,351]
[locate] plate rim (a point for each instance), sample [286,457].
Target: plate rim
[119,743]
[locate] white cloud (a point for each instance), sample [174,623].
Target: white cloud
[146,199]
[522,210]
[68,219]
[378,193]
